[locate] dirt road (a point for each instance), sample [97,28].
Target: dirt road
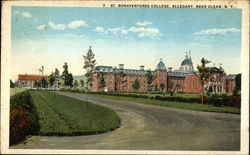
[150,127]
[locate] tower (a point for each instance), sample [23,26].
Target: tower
[161,74]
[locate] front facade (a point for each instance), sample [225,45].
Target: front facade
[28,81]
[183,80]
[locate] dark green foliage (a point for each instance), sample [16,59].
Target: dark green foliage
[23,117]
[52,79]
[75,83]
[82,83]
[162,86]
[89,64]
[170,86]
[37,83]
[136,84]
[61,115]
[102,81]
[204,74]
[238,83]
[66,76]
[149,77]
[44,82]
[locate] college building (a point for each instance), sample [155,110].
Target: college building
[185,79]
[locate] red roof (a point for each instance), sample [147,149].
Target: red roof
[31,77]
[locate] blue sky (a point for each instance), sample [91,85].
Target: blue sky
[50,36]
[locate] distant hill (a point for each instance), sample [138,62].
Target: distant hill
[78,77]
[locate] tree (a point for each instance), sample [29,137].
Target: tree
[177,87]
[70,80]
[12,85]
[162,86]
[52,79]
[66,76]
[136,84]
[119,78]
[89,64]
[82,83]
[44,82]
[37,84]
[57,76]
[237,83]
[203,76]
[65,73]
[149,77]
[75,83]
[102,81]
[170,86]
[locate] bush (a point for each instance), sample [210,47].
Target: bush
[23,117]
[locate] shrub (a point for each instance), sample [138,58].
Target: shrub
[23,117]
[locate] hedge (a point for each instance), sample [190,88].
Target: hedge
[214,99]
[23,117]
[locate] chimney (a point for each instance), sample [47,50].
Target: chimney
[170,69]
[121,66]
[142,67]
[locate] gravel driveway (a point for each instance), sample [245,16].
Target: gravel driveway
[150,127]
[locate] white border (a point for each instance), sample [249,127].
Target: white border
[5,74]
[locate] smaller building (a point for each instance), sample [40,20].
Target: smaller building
[28,81]
[230,83]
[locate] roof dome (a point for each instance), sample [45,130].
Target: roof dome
[161,65]
[186,62]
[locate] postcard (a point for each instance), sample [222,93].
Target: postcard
[125,77]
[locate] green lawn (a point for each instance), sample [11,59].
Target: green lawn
[182,105]
[14,91]
[62,115]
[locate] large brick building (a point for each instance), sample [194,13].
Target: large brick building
[185,79]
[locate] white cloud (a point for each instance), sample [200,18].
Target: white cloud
[145,32]
[215,31]
[99,29]
[140,31]
[76,24]
[144,23]
[115,30]
[70,35]
[41,27]
[56,26]
[26,14]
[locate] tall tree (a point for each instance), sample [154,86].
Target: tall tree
[120,80]
[136,84]
[75,83]
[51,79]
[237,83]
[65,74]
[149,77]
[204,75]
[44,82]
[82,83]
[170,86]
[57,76]
[162,86]
[70,80]
[102,81]
[89,64]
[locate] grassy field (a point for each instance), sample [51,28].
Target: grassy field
[61,115]
[182,105]
[14,91]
